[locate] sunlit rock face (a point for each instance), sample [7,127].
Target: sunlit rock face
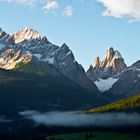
[111,65]
[97,62]
[26,34]
[12,58]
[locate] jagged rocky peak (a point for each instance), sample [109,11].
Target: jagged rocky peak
[113,60]
[110,53]
[0,30]
[26,34]
[66,49]
[96,63]
[109,60]
[2,33]
[110,56]
[111,65]
[5,40]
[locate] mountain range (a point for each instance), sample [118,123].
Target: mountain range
[28,56]
[39,76]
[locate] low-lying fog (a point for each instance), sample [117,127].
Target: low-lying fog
[4,119]
[77,119]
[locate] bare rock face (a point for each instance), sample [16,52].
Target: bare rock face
[11,58]
[97,62]
[127,85]
[6,41]
[111,65]
[66,63]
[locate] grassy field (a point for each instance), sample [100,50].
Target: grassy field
[94,136]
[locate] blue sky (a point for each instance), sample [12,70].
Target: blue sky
[89,27]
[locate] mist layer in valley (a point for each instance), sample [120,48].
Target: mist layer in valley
[74,119]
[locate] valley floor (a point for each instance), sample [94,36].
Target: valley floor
[95,136]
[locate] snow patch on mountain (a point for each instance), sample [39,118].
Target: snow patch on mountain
[69,53]
[105,84]
[1,46]
[50,60]
[37,56]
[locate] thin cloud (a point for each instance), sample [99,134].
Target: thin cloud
[68,11]
[51,5]
[121,8]
[25,2]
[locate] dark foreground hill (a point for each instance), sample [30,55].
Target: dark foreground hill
[31,87]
